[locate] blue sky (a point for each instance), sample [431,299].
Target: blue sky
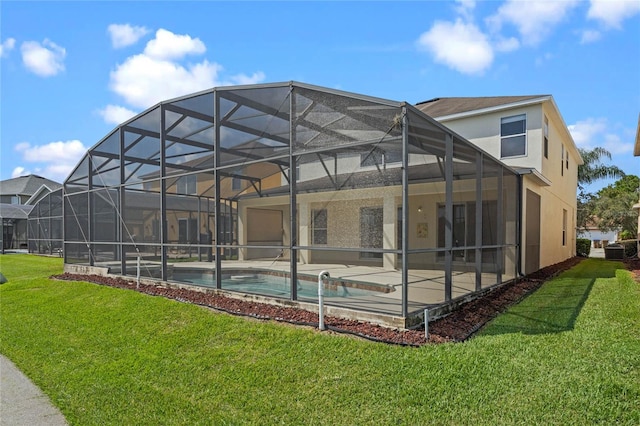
[71,71]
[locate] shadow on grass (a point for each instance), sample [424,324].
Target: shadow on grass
[554,307]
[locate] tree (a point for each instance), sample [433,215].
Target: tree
[591,170]
[614,205]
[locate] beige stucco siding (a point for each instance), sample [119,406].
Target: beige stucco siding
[484,131]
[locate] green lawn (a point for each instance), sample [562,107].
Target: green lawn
[568,354]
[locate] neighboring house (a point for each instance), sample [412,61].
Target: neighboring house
[17,198]
[529,134]
[599,239]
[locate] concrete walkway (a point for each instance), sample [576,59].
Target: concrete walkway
[21,402]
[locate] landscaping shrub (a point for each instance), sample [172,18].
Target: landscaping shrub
[583,247]
[630,248]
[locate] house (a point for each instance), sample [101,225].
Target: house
[256,189]
[17,198]
[528,134]
[599,238]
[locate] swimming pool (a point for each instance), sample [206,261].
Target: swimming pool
[261,282]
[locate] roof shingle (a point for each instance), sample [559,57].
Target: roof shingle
[440,107]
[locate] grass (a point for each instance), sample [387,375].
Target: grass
[568,354]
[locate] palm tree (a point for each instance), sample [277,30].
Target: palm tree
[593,169]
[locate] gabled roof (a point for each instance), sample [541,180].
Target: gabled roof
[441,107]
[26,185]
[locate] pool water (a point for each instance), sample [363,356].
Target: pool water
[268,285]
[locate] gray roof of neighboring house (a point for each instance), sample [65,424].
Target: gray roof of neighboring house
[15,211]
[440,107]
[26,185]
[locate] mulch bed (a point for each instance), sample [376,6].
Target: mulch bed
[455,327]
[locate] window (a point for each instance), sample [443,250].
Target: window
[513,136]
[319,226]
[546,137]
[566,155]
[15,199]
[371,223]
[187,184]
[377,158]
[562,162]
[564,227]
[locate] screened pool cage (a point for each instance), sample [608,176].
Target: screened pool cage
[256,189]
[44,225]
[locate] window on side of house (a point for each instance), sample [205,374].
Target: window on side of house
[564,227]
[187,185]
[371,236]
[377,158]
[513,136]
[546,137]
[566,155]
[319,226]
[236,184]
[562,162]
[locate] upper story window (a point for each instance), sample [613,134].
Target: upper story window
[562,162]
[187,184]
[377,158]
[513,136]
[15,199]
[236,182]
[546,137]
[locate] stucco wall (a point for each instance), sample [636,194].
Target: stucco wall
[484,131]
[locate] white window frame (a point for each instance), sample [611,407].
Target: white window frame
[503,138]
[382,162]
[187,185]
[545,135]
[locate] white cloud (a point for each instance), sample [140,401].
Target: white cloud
[157,74]
[589,36]
[247,79]
[597,132]
[507,44]
[612,13]
[45,60]
[465,8]
[143,81]
[533,19]
[461,46]
[7,46]
[116,114]
[19,171]
[168,45]
[54,160]
[123,35]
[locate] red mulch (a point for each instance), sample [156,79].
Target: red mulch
[455,327]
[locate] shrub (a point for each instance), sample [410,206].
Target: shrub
[630,248]
[583,247]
